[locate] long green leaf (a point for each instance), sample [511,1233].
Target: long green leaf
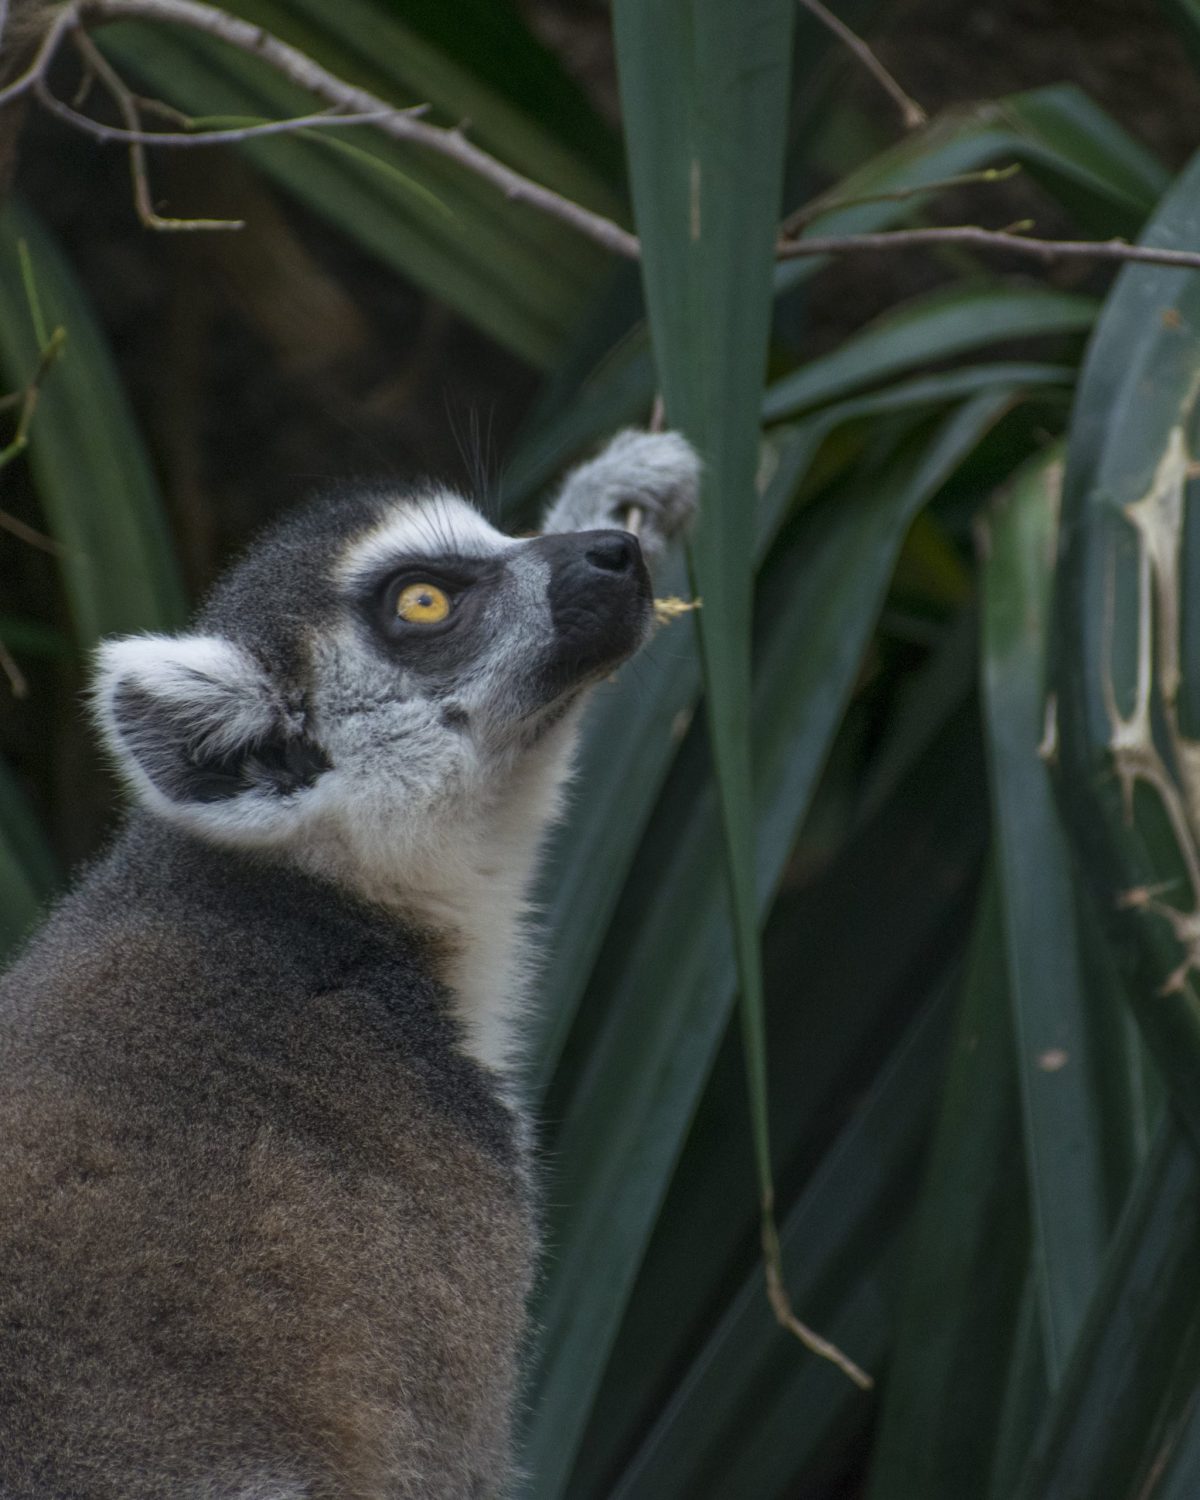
[644,1071]
[632,736]
[1072,142]
[372,44]
[933,327]
[632,730]
[944,680]
[1065,139]
[1056,1038]
[1125,660]
[522,278]
[1025,1396]
[704,92]
[966,1256]
[907,878]
[1176,1462]
[93,479]
[1120,1408]
[749,1413]
[621,393]
[489,38]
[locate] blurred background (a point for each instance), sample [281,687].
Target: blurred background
[983,1192]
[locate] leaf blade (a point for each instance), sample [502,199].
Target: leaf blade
[93,478]
[632,1102]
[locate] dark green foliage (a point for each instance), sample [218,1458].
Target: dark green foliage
[919,799]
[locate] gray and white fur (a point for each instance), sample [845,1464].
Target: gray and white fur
[266,1229]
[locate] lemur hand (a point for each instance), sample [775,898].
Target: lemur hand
[656,473]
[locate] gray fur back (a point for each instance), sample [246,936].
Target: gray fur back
[266,1233]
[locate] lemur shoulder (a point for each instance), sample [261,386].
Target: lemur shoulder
[267,1228]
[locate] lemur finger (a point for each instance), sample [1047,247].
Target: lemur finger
[655,474]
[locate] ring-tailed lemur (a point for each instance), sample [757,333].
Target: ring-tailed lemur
[265,1218]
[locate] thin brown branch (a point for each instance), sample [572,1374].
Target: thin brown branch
[64,21]
[829,203]
[404,125]
[913,114]
[781,1306]
[17,683]
[28,399]
[30,534]
[81,95]
[126,101]
[99,131]
[307,74]
[164,110]
[987,239]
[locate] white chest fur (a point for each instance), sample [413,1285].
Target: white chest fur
[459,867]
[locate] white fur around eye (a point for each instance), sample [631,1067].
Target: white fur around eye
[437,524]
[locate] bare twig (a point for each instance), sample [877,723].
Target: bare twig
[781,1306]
[17,683]
[29,534]
[28,398]
[234,134]
[829,203]
[81,95]
[126,102]
[164,110]
[987,239]
[307,74]
[913,114]
[3,18]
[20,441]
[65,20]
[349,102]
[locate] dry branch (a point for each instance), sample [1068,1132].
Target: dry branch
[301,70]
[226,136]
[64,21]
[834,202]
[126,101]
[26,401]
[17,684]
[987,239]
[913,114]
[348,104]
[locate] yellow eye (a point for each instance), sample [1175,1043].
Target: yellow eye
[422,603]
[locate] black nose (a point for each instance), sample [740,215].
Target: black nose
[612,551]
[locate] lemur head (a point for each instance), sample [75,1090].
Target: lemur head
[376,676]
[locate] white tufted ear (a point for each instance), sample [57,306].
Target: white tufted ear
[195,724]
[658,473]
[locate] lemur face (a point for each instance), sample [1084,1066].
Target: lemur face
[491,638]
[381,666]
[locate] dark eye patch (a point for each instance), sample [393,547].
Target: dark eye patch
[441,648]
